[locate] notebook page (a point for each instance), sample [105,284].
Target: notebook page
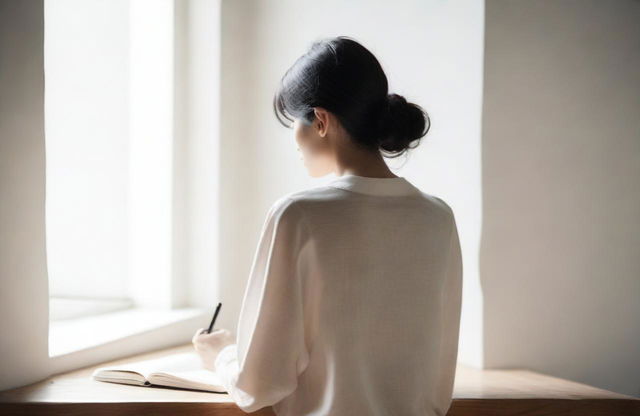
[201,379]
[170,363]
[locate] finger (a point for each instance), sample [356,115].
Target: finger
[196,335]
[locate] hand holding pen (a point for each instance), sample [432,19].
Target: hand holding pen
[208,342]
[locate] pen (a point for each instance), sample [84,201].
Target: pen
[215,315]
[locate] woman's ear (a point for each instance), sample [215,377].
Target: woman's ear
[322,117]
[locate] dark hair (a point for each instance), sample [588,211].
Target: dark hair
[342,76]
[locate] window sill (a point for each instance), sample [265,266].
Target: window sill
[75,343]
[62,308]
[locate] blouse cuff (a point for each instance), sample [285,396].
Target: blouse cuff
[226,355]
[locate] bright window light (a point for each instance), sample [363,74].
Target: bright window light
[108,127]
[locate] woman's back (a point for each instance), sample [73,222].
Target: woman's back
[381,291]
[353,301]
[352,305]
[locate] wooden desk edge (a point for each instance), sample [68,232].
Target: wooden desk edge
[24,400]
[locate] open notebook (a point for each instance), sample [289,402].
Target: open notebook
[183,371]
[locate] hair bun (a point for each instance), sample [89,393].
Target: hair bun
[402,123]
[396,100]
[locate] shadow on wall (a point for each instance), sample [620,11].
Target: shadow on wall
[559,260]
[23,265]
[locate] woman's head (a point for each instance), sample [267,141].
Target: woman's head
[339,84]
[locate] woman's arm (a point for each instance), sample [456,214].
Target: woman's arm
[263,366]
[451,312]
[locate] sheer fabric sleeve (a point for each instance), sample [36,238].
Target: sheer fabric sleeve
[263,366]
[451,313]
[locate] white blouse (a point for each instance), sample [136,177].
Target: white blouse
[352,306]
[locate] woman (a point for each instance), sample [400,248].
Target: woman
[353,301]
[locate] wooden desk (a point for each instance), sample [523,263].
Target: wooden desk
[477,393]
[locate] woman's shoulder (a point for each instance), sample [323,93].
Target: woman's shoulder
[292,207]
[321,197]
[306,196]
[439,201]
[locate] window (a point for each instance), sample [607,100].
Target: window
[112,242]
[87,101]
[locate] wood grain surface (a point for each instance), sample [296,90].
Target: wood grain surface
[477,393]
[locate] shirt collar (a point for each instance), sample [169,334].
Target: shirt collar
[398,186]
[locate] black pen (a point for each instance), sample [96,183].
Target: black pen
[215,315]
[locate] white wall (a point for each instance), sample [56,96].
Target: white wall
[561,169]
[23,269]
[432,54]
